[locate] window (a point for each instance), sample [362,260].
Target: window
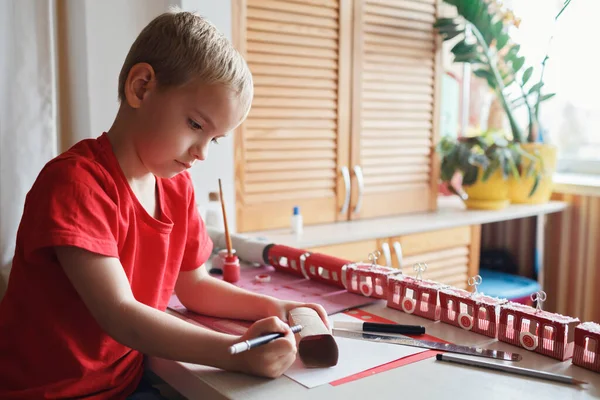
[510,326]
[571,119]
[379,286]
[451,312]
[425,302]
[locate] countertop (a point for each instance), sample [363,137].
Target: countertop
[451,213]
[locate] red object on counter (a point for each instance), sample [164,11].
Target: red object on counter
[587,346]
[325,268]
[287,259]
[231,269]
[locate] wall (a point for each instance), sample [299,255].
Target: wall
[92,49]
[27,109]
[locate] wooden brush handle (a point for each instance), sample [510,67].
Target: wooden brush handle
[227,237]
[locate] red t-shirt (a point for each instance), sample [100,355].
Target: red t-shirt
[50,345]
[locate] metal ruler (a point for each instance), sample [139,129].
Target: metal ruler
[427,344]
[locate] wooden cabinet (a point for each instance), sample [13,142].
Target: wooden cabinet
[394,107]
[344,116]
[292,147]
[451,255]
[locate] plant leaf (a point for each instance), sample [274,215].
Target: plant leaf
[472,58]
[442,22]
[470,176]
[463,48]
[483,73]
[501,41]
[479,160]
[497,28]
[513,51]
[447,170]
[488,172]
[449,28]
[483,22]
[535,88]
[518,63]
[536,183]
[527,75]
[452,34]
[530,170]
[512,165]
[469,9]
[547,96]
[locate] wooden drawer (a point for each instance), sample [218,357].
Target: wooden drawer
[352,251]
[449,266]
[451,255]
[424,242]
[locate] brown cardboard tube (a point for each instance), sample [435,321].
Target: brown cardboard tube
[317,348]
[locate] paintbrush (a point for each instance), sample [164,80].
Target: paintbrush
[227,237]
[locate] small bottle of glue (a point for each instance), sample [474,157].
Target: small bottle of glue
[231,268]
[296,221]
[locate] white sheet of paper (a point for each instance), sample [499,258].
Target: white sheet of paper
[354,356]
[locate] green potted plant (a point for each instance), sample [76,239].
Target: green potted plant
[486,162]
[481,30]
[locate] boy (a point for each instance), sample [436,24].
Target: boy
[110,229]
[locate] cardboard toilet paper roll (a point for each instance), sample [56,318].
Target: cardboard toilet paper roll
[317,348]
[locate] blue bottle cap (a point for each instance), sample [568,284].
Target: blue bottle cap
[296,210]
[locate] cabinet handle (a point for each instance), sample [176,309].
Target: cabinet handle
[346,176]
[360,181]
[385,246]
[398,251]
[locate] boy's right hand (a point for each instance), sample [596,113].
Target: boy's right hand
[270,360]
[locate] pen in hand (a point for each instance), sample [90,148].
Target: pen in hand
[259,341]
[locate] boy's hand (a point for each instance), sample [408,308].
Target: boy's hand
[280,309]
[272,359]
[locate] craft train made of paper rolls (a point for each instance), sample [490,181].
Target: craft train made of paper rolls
[531,328]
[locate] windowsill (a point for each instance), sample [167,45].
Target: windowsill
[574,183]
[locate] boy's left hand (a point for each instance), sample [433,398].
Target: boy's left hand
[281,308]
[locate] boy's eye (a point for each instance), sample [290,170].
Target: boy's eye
[194,125]
[215,140]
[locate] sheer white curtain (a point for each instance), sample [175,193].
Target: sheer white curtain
[572,117]
[27,108]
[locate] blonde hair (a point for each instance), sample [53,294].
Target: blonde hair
[183,46]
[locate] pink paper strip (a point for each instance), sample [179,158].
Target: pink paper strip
[282,286]
[291,287]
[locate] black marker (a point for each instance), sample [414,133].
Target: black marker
[259,341]
[375,327]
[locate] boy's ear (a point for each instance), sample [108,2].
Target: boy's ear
[140,81]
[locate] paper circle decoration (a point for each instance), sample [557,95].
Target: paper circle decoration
[409,305]
[528,340]
[366,288]
[465,321]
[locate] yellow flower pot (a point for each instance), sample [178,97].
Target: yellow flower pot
[519,188]
[489,195]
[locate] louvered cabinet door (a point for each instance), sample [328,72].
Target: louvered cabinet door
[451,255]
[396,78]
[291,149]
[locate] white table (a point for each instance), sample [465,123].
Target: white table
[427,379]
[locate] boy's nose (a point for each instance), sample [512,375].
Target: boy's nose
[199,152]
